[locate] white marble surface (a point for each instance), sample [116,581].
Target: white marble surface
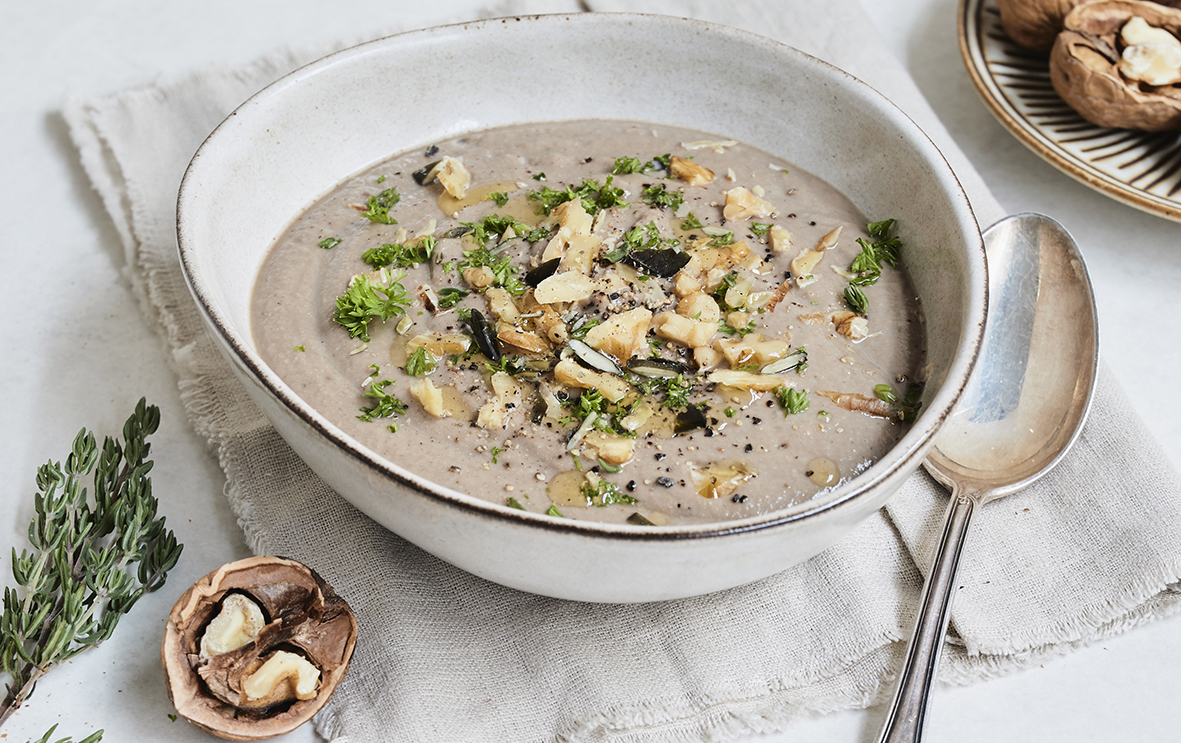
[77,352]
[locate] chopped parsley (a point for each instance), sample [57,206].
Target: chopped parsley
[553,511]
[386,406]
[647,237]
[538,176]
[451,296]
[691,222]
[512,502]
[329,243]
[726,328]
[300,348]
[792,400]
[499,197]
[856,299]
[582,326]
[906,408]
[362,302]
[377,209]
[722,240]
[595,196]
[421,363]
[659,196]
[381,179]
[625,165]
[496,452]
[605,494]
[759,228]
[400,256]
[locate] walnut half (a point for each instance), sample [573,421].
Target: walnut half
[256,647]
[1097,59]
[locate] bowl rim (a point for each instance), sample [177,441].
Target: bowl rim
[897,458]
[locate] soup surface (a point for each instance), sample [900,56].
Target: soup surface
[599,320]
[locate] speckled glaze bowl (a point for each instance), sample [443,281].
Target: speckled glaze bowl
[293,141]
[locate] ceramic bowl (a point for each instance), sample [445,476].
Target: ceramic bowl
[293,141]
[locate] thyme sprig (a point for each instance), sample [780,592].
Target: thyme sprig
[94,737]
[92,559]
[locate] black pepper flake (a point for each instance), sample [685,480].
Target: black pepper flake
[431,151]
[665,482]
[770,403]
[709,432]
[660,456]
[756,421]
[739,499]
[791,216]
[631,486]
[749,448]
[812,224]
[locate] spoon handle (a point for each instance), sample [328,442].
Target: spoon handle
[908,710]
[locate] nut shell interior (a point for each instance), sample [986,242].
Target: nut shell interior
[303,615]
[1084,67]
[1034,23]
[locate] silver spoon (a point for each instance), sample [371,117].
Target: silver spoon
[1021,411]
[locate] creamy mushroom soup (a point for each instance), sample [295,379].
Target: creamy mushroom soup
[600,320]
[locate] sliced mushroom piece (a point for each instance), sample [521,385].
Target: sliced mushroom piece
[253,691]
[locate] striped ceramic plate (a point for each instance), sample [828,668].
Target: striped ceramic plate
[1137,168]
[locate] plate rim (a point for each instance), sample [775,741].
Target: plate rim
[968,29]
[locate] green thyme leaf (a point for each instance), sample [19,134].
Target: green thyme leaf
[386,405]
[792,400]
[96,551]
[363,302]
[377,209]
[856,299]
[451,296]
[421,363]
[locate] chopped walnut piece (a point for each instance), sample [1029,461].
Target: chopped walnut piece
[495,413]
[700,306]
[851,325]
[569,286]
[742,204]
[479,277]
[859,403]
[611,448]
[706,358]
[690,172]
[572,220]
[453,175]
[745,380]
[751,349]
[804,265]
[778,295]
[780,239]
[684,330]
[502,305]
[812,318]
[522,339]
[581,252]
[718,479]
[829,240]
[568,372]
[430,396]
[283,677]
[622,335]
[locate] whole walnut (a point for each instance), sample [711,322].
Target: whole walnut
[1118,64]
[1034,24]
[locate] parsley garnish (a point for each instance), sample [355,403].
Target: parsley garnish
[659,195]
[362,302]
[722,240]
[538,176]
[594,196]
[553,511]
[582,326]
[512,502]
[647,237]
[451,296]
[381,179]
[499,197]
[625,165]
[856,299]
[496,451]
[377,209]
[691,222]
[387,405]
[605,494]
[907,407]
[421,363]
[760,228]
[792,400]
[329,243]
[401,256]
[300,348]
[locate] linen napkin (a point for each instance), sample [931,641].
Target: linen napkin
[1089,551]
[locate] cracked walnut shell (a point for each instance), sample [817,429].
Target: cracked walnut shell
[280,643]
[1086,62]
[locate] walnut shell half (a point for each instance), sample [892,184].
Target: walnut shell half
[1034,24]
[1085,67]
[302,616]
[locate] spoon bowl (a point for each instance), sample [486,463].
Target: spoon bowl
[1023,408]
